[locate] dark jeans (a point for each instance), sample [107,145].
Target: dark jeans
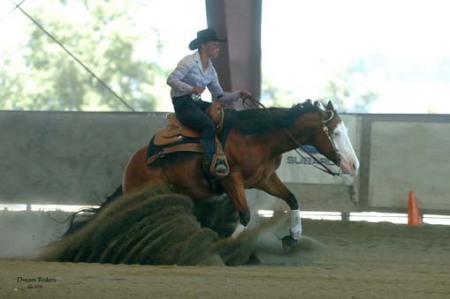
[192,114]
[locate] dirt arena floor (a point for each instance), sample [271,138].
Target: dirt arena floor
[334,260]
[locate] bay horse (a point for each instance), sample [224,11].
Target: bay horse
[255,140]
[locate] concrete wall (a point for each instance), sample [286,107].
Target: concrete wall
[64,157]
[405,153]
[78,158]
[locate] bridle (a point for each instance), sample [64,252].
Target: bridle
[326,130]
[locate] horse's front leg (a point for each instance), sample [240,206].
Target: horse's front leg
[274,186]
[234,187]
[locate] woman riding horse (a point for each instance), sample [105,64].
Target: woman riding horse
[188,81]
[255,142]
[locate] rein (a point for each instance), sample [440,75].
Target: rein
[325,168]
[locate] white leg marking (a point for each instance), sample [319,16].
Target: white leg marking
[238,230]
[296,224]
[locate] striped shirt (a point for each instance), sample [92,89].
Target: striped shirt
[189,74]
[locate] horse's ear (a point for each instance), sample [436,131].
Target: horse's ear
[330,106]
[318,104]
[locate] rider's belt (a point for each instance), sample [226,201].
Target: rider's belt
[193,97]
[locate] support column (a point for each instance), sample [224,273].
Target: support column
[239,64]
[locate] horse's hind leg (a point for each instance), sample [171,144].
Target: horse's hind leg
[274,186]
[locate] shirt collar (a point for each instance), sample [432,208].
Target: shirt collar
[199,62]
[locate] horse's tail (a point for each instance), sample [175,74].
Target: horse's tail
[86,215]
[112,197]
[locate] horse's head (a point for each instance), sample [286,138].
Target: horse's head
[331,139]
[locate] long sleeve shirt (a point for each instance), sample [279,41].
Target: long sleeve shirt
[189,74]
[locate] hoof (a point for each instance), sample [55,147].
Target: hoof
[289,243]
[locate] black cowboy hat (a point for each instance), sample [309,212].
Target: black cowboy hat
[203,36]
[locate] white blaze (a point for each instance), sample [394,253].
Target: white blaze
[349,161]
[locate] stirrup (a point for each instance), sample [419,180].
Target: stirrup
[216,167]
[220,167]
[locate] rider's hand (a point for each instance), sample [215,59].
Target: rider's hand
[243,94]
[198,89]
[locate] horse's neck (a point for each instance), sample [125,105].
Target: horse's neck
[298,134]
[280,140]
[285,141]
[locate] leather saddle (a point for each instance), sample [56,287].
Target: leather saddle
[176,137]
[174,132]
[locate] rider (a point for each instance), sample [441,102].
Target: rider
[193,74]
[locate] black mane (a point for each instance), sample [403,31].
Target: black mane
[261,121]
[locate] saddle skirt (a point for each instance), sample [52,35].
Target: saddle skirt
[174,132]
[176,137]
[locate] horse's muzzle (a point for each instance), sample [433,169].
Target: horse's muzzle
[350,167]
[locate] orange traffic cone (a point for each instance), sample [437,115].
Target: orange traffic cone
[414,218]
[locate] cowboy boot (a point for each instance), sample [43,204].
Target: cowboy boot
[208,157]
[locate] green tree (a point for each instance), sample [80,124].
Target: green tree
[348,88]
[272,95]
[104,37]
[10,85]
